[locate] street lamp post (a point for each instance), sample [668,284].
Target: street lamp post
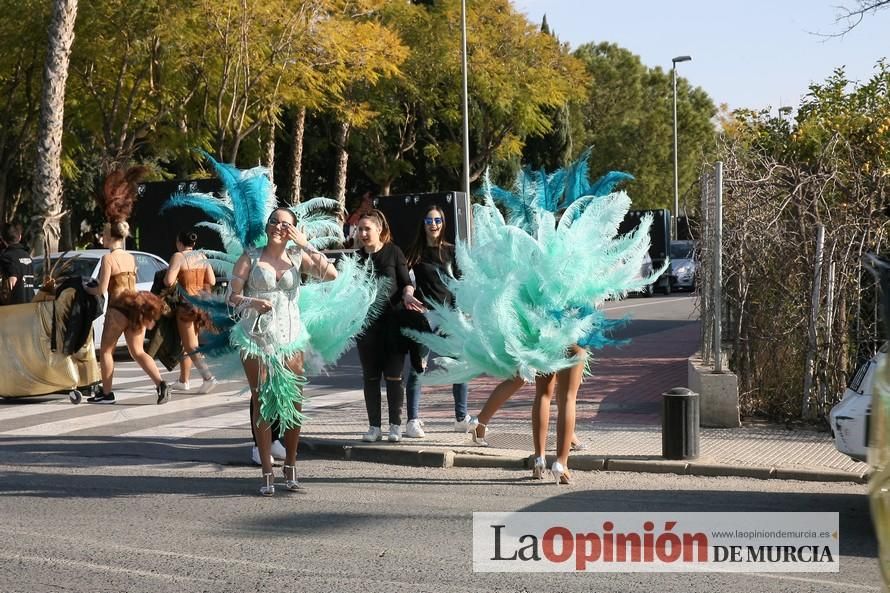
[676,171]
[466,113]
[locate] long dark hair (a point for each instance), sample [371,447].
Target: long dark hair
[415,252]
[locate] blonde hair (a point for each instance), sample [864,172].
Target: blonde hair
[119,229]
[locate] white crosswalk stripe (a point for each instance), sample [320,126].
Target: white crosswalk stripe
[186,415]
[193,427]
[114,416]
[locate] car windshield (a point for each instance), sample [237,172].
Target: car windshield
[82,266]
[681,250]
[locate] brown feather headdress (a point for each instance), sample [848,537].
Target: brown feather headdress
[119,192]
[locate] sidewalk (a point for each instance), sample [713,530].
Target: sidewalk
[618,420]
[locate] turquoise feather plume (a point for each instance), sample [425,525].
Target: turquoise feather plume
[530,291]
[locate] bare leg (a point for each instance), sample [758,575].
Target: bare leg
[189,343]
[544,386]
[292,436]
[115,323]
[498,398]
[263,434]
[134,345]
[567,383]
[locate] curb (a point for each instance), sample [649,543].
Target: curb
[445,458]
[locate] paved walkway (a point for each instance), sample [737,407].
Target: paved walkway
[618,420]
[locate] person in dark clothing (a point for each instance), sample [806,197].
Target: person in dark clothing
[432,260]
[378,348]
[16,268]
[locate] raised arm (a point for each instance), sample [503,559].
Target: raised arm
[315,263]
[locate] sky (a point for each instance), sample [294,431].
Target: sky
[755,53]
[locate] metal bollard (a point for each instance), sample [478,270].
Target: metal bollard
[679,424]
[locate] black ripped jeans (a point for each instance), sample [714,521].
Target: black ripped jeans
[380,358]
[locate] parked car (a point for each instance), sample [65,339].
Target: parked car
[850,418]
[683,270]
[86,264]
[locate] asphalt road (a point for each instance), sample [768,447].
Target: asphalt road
[138,524]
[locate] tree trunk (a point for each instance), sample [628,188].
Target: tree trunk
[269,157]
[342,161]
[297,156]
[47,186]
[4,175]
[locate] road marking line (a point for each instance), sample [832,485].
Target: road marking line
[195,426]
[116,416]
[817,581]
[648,302]
[82,564]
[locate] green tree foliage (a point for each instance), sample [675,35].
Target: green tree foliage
[628,120]
[784,179]
[517,76]
[22,52]
[374,85]
[128,77]
[553,148]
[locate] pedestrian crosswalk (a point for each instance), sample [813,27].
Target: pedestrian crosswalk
[136,414]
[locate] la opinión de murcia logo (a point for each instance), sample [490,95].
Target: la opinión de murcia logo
[533,542]
[561,544]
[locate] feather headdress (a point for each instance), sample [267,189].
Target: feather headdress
[119,193]
[331,313]
[531,286]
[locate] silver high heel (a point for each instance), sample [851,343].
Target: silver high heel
[539,469]
[291,483]
[475,425]
[560,473]
[268,487]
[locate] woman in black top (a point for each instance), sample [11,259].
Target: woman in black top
[378,347]
[432,259]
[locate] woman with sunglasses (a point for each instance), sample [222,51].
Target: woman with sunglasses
[432,259]
[265,291]
[378,347]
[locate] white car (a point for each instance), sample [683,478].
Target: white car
[684,267]
[849,419]
[87,265]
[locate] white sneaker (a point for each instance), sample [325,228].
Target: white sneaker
[373,434]
[395,433]
[463,425]
[414,429]
[255,457]
[180,386]
[208,385]
[278,451]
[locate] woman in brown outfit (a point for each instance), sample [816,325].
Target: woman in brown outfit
[190,270]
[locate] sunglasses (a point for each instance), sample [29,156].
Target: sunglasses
[435,220]
[276,222]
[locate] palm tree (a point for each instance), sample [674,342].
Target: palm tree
[47,187]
